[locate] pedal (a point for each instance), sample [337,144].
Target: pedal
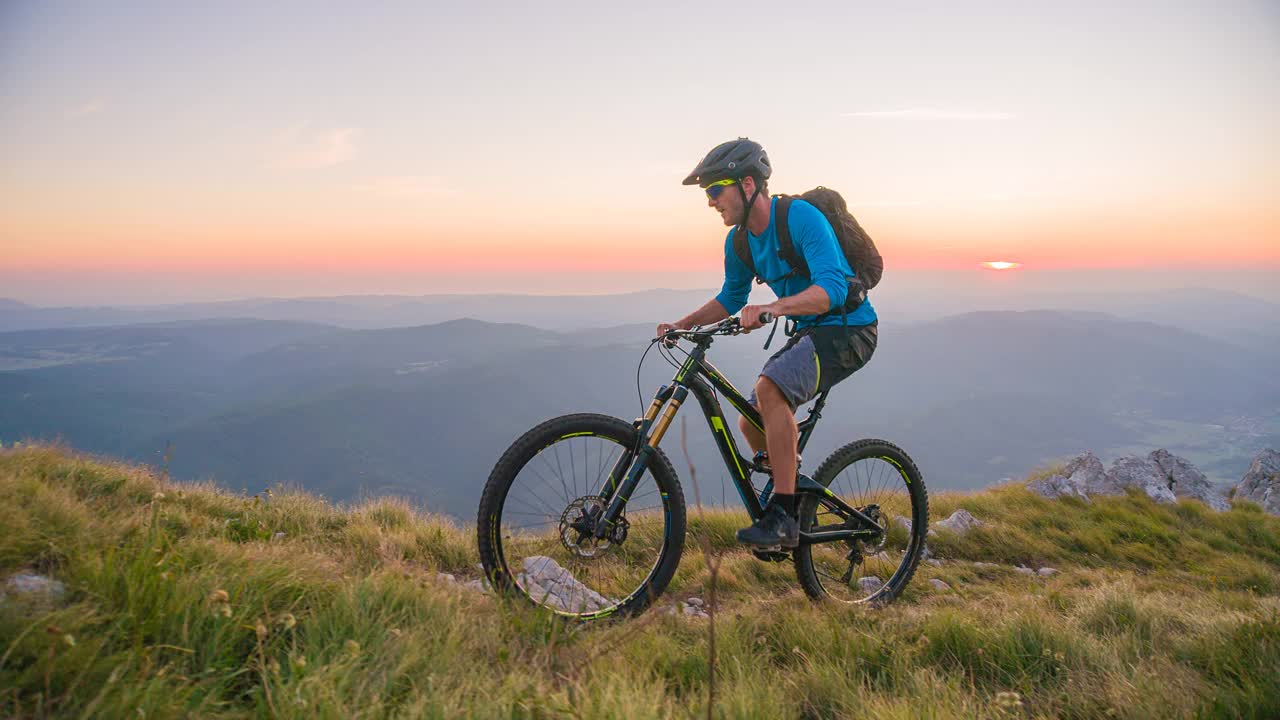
[760,463]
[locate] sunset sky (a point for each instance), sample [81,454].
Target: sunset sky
[181,151]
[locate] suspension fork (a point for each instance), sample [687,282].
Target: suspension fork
[641,461]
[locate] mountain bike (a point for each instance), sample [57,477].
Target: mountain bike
[584,514]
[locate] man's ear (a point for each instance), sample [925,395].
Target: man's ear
[749,185]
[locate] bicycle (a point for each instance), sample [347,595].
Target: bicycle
[604,535]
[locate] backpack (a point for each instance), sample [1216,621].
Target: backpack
[856,244]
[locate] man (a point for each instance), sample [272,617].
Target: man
[832,339]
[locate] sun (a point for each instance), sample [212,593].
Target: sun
[1001,265]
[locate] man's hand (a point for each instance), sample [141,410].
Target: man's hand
[750,316]
[663,329]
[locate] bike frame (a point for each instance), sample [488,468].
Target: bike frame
[700,377]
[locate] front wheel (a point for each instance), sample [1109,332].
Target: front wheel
[540,508]
[879,480]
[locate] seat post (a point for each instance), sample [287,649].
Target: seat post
[807,425]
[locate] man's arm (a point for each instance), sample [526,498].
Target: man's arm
[711,312]
[733,294]
[812,301]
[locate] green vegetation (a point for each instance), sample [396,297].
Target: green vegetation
[184,600]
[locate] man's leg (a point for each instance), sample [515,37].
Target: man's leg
[777,527]
[755,438]
[780,434]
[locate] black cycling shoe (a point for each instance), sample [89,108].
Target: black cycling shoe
[774,529]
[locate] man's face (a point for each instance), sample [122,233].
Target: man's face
[729,204]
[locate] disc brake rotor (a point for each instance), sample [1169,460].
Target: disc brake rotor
[578,524]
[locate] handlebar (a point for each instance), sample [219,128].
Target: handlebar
[728,326]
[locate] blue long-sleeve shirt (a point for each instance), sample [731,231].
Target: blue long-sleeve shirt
[816,242]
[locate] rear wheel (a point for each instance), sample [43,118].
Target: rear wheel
[881,481]
[539,510]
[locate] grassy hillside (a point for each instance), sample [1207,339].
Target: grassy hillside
[185,600]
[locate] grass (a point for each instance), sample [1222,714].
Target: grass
[185,600]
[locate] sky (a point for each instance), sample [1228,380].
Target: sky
[165,152]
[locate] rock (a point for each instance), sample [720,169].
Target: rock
[934,562]
[550,584]
[902,522]
[446,577]
[35,591]
[939,585]
[959,523]
[693,611]
[881,556]
[1261,484]
[696,602]
[480,586]
[1081,473]
[986,565]
[870,583]
[1024,570]
[1139,473]
[1187,481]
[1047,572]
[278,536]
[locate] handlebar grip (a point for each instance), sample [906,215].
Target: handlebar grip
[766,318]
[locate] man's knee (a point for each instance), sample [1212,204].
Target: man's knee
[769,395]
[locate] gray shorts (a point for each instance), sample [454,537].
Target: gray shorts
[818,359]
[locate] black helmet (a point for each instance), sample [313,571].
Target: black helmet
[734,160]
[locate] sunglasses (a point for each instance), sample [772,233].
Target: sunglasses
[717,187]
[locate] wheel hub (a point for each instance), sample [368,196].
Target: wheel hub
[578,525]
[882,521]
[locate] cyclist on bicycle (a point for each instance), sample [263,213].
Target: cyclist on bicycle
[831,339]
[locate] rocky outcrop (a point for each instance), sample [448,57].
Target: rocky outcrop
[1082,473]
[1261,484]
[1161,476]
[1187,481]
[1140,474]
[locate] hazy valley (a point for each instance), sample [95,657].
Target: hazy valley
[424,411]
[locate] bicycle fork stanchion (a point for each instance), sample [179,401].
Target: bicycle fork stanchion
[620,498]
[641,424]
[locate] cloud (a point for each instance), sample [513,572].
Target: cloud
[301,148]
[89,108]
[930,114]
[404,186]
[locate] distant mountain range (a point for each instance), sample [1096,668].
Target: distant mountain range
[425,411]
[1238,318]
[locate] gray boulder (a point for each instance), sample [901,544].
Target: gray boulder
[1081,473]
[1261,483]
[550,584]
[1139,473]
[35,592]
[1187,481]
[960,522]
